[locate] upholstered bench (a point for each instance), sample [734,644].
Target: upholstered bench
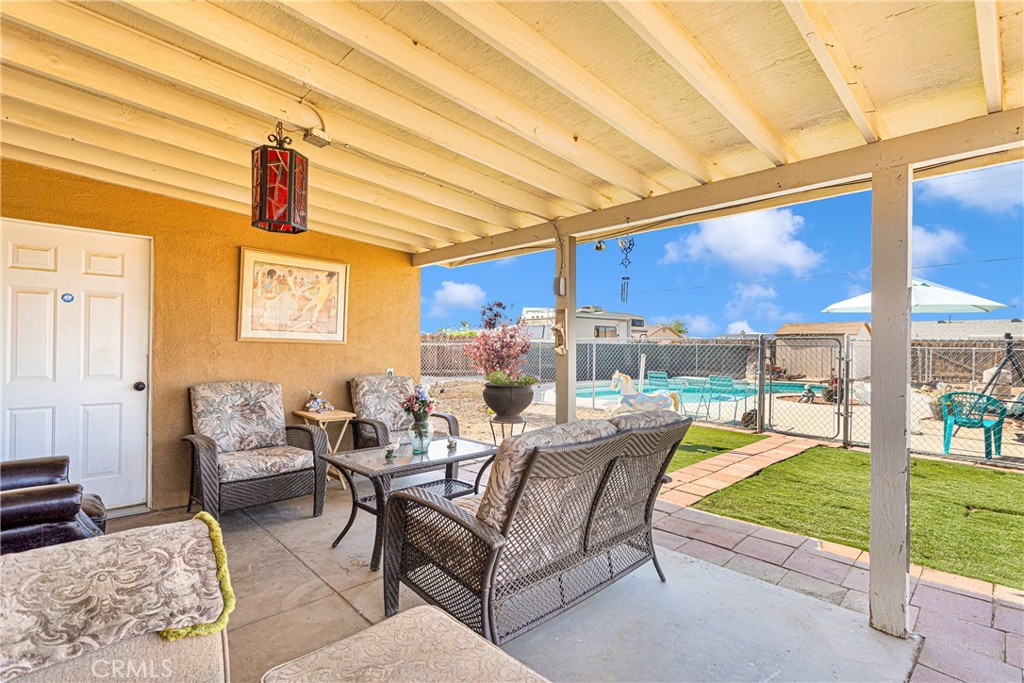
[421,644]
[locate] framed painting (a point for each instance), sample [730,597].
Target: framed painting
[292,298]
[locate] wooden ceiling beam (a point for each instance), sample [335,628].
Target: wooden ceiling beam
[814,25]
[951,143]
[505,32]
[669,38]
[82,152]
[103,174]
[374,38]
[989,44]
[219,159]
[213,82]
[225,31]
[56,67]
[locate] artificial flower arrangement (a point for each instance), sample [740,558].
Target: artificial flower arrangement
[420,406]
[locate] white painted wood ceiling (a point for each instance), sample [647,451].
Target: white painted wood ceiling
[456,121]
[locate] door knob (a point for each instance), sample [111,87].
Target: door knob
[139,386]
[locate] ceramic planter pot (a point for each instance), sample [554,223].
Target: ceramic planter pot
[507,401]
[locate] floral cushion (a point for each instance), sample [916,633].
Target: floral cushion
[511,460]
[646,419]
[64,601]
[262,462]
[239,416]
[469,503]
[420,644]
[379,397]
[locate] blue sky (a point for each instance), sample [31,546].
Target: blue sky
[759,270]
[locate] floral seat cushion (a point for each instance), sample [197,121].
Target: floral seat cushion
[239,416]
[262,462]
[511,461]
[379,397]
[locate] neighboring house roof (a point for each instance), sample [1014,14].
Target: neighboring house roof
[966,329]
[827,329]
[663,331]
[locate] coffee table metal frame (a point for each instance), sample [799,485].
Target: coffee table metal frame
[371,463]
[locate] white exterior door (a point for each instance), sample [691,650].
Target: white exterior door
[75,350]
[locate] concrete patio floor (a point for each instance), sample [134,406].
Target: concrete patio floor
[295,594]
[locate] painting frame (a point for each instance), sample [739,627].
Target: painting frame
[291,298]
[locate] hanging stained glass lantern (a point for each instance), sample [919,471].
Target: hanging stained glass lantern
[626,245]
[280,179]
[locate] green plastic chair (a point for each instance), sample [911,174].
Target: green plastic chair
[974,411]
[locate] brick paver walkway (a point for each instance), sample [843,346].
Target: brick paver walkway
[974,630]
[692,483]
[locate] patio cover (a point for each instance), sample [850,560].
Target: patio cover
[467,131]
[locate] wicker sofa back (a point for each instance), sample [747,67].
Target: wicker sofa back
[579,519]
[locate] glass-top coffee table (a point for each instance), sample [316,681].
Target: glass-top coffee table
[371,463]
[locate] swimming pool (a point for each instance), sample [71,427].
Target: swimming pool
[692,392]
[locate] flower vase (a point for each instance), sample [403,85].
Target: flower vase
[421,433]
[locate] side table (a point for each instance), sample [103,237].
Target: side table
[322,420]
[509,422]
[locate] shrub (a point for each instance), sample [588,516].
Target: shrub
[501,346]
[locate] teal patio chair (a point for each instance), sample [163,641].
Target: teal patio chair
[973,411]
[657,380]
[719,390]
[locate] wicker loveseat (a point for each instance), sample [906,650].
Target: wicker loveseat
[242,453]
[567,511]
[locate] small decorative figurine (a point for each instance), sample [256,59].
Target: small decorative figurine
[316,404]
[389,454]
[452,443]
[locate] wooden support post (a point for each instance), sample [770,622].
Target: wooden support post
[891,221]
[565,309]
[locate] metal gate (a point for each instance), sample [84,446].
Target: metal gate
[794,368]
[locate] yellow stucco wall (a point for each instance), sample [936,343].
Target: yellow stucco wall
[195,295]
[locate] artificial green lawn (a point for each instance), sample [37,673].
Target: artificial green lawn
[964,520]
[701,443]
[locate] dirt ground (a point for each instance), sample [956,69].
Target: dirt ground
[465,401]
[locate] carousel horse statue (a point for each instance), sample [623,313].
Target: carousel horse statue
[633,401]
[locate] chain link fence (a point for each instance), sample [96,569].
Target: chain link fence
[818,387]
[938,368]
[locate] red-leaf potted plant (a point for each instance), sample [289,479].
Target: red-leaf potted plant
[499,353]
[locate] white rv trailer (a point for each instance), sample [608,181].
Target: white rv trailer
[592,322]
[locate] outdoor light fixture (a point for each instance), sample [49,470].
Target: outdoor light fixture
[280,179]
[599,246]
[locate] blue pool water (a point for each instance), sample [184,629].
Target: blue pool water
[692,392]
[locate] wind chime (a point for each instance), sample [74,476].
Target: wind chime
[626,245]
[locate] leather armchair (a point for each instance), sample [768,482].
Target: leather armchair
[40,507]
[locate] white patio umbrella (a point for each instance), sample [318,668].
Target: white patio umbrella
[925,297]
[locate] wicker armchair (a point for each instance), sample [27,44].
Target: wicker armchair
[567,511]
[244,455]
[377,399]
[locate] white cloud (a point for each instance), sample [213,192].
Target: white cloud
[934,246]
[996,189]
[699,325]
[752,296]
[740,326]
[452,295]
[855,289]
[506,262]
[759,242]
[673,251]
